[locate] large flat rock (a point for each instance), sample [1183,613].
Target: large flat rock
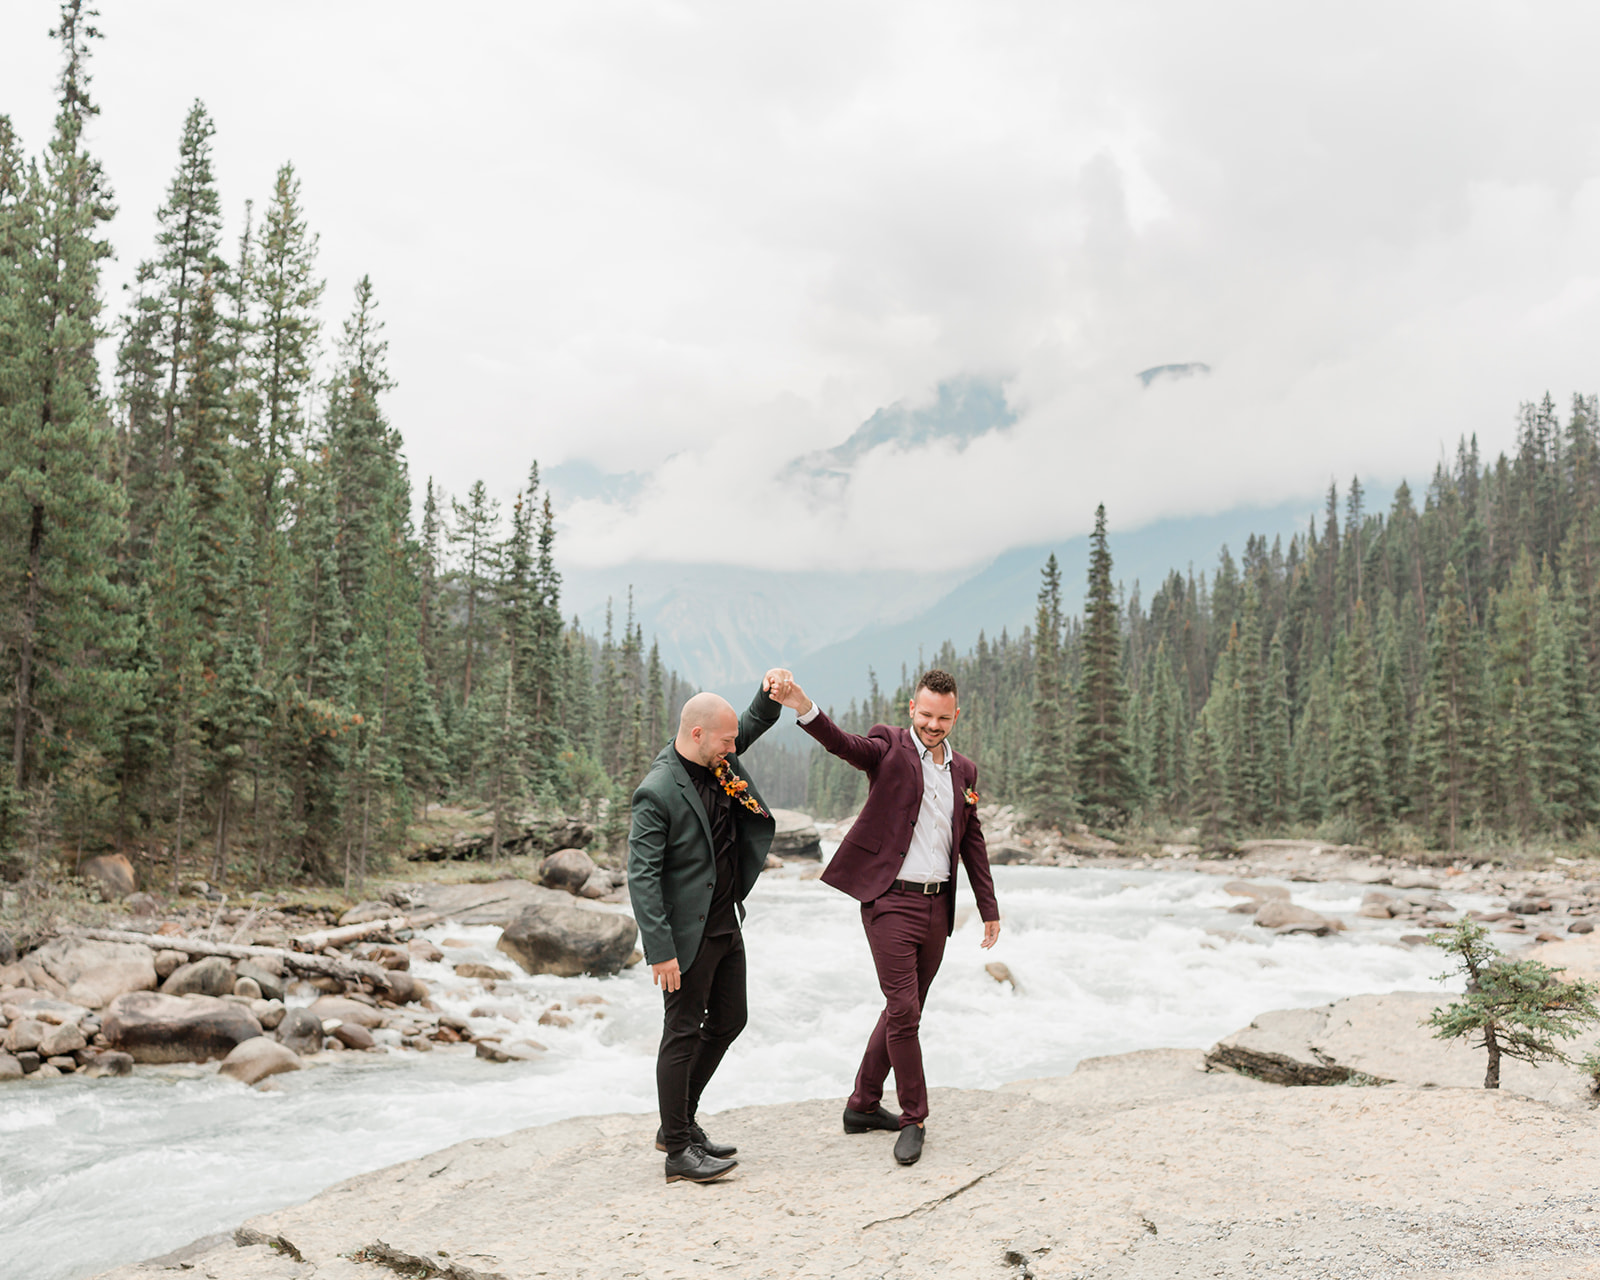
[1132,1167]
[499,902]
[1380,1039]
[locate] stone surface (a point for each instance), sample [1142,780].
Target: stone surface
[207,976]
[60,1040]
[63,961]
[566,869]
[348,1010]
[365,912]
[99,986]
[10,1068]
[25,1034]
[113,873]
[247,989]
[300,1030]
[498,902]
[153,1027]
[569,940]
[352,1035]
[796,835]
[1131,1168]
[1260,892]
[1278,912]
[481,971]
[271,984]
[269,1013]
[112,1062]
[253,1060]
[515,1051]
[1007,853]
[169,962]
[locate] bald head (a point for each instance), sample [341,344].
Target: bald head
[708,729]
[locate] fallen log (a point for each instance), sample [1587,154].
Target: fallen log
[350,972]
[319,938]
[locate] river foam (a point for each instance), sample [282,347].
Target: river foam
[97,1172]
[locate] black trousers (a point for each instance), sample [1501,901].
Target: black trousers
[702,1018]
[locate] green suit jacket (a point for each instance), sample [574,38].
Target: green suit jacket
[671,867]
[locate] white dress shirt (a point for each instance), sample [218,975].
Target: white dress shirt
[928,857]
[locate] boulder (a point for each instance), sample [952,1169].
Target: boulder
[300,1030]
[366,912]
[8,949]
[109,1062]
[1280,912]
[58,964]
[60,1040]
[352,1035]
[481,971]
[48,1009]
[169,962]
[154,1027]
[10,1068]
[347,1010]
[100,986]
[207,976]
[113,873]
[567,869]
[247,989]
[256,1059]
[423,949]
[25,1035]
[569,940]
[269,1013]
[516,1051]
[1260,892]
[796,835]
[1581,926]
[598,885]
[271,984]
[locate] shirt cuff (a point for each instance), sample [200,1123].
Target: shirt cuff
[809,715]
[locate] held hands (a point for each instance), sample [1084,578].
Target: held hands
[991,933]
[780,686]
[667,976]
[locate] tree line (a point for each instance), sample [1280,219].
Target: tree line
[227,646]
[1423,676]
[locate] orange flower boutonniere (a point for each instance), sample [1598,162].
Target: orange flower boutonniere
[737,787]
[971,796]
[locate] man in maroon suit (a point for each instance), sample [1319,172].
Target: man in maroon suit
[899,860]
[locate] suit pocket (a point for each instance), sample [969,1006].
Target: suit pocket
[867,844]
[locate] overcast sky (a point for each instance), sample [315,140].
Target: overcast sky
[699,239]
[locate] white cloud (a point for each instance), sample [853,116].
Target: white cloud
[699,239]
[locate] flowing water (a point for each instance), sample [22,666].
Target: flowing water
[97,1172]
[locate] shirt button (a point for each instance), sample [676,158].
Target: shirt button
[702,918]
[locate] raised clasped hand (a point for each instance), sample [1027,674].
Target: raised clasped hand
[781,687]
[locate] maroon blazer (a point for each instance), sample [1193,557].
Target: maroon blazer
[869,859]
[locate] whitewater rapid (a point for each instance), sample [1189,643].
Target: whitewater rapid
[97,1172]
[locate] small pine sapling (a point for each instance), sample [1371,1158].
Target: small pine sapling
[1514,1008]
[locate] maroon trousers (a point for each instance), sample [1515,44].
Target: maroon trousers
[906,932]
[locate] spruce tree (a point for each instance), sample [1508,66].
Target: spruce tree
[1448,739]
[1048,786]
[1107,789]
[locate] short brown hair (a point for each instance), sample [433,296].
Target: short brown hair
[935,681]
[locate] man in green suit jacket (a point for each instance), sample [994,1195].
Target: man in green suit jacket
[698,842]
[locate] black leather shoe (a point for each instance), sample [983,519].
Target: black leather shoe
[692,1164]
[697,1135]
[908,1146]
[864,1121]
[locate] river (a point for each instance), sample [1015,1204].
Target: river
[98,1172]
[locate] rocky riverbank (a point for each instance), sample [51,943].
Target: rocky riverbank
[1139,1165]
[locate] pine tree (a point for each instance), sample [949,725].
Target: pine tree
[1448,738]
[1107,788]
[1358,789]
[1048,783]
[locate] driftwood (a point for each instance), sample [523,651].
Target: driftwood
[319,938]
[350,972]
[541,837]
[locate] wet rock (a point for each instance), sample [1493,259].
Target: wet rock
[300,1030]
[366,912]
[61,1040]
[1260,892]
[65,1063]
[254,1060]
[554,1018]
[481,971]
[422,949]
[1000,973]
[347,1010]
[247,989]
[1279,912]
[795,835]
[10,1068]
[113,873]
[110,1062]
[29,1061]
[169,962]
[45,1071]
[271,984]
[516,1051]
[1581,926]
[569,940]
[207,976]
[567,869]
[350,1034]
[385,954]
[154,1027]
[1246,908]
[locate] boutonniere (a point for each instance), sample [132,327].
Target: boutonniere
[737,787]
[971,796]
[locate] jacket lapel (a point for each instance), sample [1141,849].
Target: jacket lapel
[691,797]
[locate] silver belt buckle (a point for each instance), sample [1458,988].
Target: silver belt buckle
[929,888]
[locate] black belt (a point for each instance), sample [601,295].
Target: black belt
[917,886]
